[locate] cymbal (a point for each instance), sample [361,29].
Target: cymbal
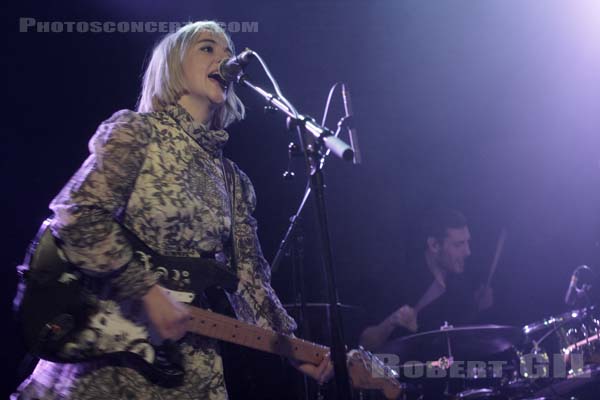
[466,343]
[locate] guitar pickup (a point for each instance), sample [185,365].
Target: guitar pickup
[182,297]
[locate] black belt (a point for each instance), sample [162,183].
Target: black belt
[183,262]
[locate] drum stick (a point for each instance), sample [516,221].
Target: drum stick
[499,248]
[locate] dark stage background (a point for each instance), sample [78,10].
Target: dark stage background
[487,106]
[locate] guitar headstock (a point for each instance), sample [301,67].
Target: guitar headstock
[369,372]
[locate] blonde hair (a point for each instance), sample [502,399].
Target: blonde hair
[164,82]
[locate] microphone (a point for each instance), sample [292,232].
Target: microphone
[572,292]
[569,296]
[230,68]
[349,116]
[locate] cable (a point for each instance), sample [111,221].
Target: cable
[275,85]
[328,102]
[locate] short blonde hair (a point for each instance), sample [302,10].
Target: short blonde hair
[163,82]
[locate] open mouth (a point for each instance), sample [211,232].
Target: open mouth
[217,78]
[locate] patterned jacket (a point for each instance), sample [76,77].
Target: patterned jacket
[161,176]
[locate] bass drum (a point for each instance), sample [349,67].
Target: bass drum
[498,380]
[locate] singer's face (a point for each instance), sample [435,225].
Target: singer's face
[454,250]
[201,61]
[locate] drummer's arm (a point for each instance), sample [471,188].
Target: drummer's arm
[376,335]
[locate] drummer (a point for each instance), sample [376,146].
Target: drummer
[433,290]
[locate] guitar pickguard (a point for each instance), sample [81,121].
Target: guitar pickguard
[109,331]
[117,327]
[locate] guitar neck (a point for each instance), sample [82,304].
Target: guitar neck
[224,328]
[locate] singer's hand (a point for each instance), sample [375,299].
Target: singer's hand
[166,315]
[321,373]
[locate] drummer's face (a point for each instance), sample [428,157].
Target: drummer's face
[455,249]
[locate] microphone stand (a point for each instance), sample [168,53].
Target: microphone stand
[324,138]
[297,256]
[285,242]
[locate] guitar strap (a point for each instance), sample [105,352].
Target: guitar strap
[216,297]
[230,183]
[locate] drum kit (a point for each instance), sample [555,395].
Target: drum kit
[555,358]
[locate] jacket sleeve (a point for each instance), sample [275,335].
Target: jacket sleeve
[86,211]
[255,299]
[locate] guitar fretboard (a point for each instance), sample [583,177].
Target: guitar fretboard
[218,326]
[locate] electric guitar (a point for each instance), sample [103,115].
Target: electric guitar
[63,321]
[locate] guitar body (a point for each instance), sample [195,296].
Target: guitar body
[50,301]
[64,315]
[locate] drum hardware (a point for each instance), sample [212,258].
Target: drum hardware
[569,346]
